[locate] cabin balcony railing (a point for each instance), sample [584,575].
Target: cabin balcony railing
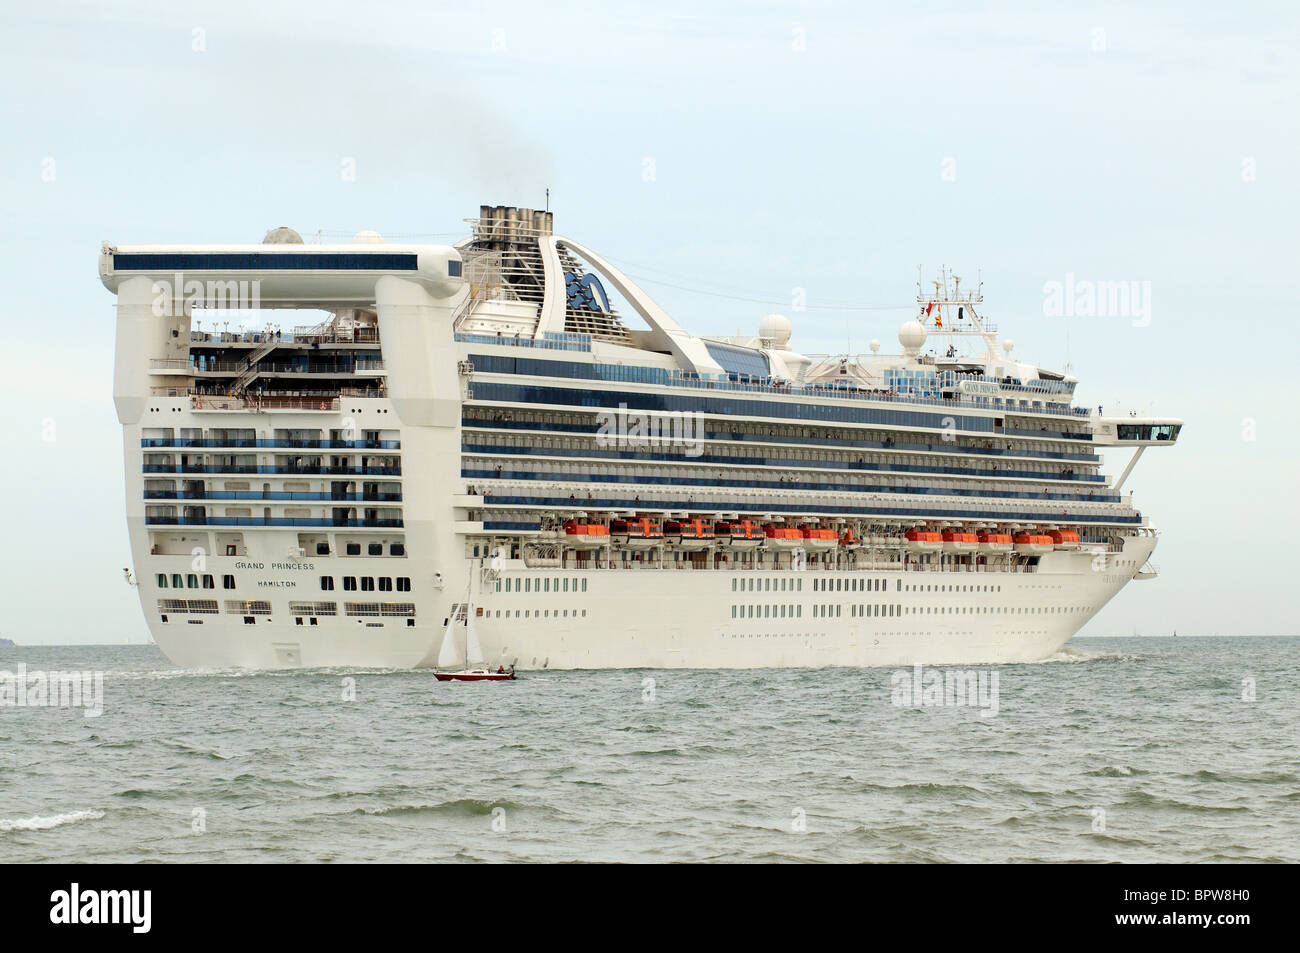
[233,368]
[249,468]
[256,402]
[270,521]
[272,495]
[243,442]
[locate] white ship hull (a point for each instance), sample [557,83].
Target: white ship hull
[629,619]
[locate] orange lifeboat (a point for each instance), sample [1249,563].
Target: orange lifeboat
[1033,543]
[955,542]
[585,535]
[995,542]
[737,534]
[642,533]
[782,537]
[689,534]
[1064,538]
[922,541]
[849,541]
[818,540]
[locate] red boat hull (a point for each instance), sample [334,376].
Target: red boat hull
[456,677]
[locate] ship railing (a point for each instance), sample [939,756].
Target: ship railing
[255,402]
[797,390]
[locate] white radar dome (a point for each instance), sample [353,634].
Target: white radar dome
[874,345]
[775,328]
[911,336]
[367,238]
[1008,345]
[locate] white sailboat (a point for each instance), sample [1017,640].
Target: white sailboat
[450,655]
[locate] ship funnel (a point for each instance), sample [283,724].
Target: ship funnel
[507,226]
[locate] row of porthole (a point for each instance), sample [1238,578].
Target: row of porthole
[539,613]
[541,584]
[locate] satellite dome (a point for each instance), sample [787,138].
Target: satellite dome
[874,345]
[284,235]
[367,237]
[775,328]
[911,336]
[1008,345]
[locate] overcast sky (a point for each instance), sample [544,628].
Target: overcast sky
[726,155]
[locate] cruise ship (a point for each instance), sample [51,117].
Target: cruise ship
[508,435]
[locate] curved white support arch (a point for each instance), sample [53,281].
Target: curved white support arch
[689,350]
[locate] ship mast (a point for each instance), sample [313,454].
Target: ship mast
[951,312]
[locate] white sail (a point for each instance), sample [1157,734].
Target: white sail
[449,654]
[473,651]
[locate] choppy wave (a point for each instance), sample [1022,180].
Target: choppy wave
[1072,654]
[46,823]
[786,766]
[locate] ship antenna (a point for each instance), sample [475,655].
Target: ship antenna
[548,200]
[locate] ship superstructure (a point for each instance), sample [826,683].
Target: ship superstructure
[479,428]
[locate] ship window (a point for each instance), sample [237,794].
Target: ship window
[453,268]
[322,549]
[249,620]
[404,584]
[164,618]
[528,583]
[177,582]
[397,549]
[326,583]
[547,585]
[798,611]
[192,580]
[313,620]
[375,549]
[385,584]
[162,581]
[584,589]
[566,583]
[354,549]
[367,583]
[350,583]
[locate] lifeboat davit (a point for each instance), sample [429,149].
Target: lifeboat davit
[818,540]
[737,534]
[1064,538]
[642,533]
[782,537]
[689,534]
[585,535]
[921,541]
[1033,543]
[954,542]
[995,542]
